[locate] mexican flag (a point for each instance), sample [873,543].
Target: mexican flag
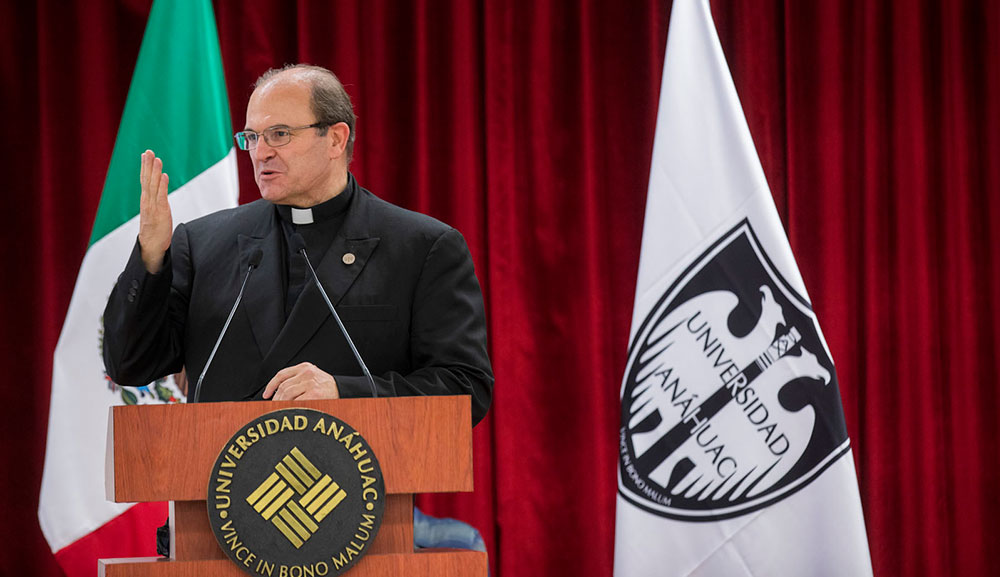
[734,458]
[177,107]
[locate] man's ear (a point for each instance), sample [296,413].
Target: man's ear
[338,135]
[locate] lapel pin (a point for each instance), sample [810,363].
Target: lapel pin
[348,258]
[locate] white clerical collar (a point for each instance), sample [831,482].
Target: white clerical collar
[302,215]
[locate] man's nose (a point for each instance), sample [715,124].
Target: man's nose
[263,150]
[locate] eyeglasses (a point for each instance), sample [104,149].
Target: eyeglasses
[274,137]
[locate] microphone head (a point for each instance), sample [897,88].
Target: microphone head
[255,257]
[297,243]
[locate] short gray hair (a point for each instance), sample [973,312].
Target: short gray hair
[329,101]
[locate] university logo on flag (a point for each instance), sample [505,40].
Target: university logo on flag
[724,382]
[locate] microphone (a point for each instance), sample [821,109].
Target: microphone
[299,246]
[254,261]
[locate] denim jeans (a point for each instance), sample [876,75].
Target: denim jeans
[444,533]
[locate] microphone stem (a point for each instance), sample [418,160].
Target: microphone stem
[343,329]
[208,363]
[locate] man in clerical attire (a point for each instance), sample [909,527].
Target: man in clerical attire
[402,282]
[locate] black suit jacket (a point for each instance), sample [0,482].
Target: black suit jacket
[410,300]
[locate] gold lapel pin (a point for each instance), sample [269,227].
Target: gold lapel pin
[348,258]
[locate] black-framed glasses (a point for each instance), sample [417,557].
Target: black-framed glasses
[274,137]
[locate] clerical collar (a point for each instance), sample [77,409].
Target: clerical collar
[321,212]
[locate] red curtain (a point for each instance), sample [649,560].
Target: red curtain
[528,125]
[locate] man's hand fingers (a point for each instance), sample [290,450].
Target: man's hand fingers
[290,390]
[161,199]
[294,381]
[154,180]
[302,381]
[286,389]
[272,385]
[143,170]
[145,167]
[151,183]
[155,221]
[280,377]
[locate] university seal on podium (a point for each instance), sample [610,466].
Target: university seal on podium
[296,493]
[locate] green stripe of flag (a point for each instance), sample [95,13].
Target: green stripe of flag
[176,106]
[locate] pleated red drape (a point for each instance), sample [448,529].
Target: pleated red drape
[528,125]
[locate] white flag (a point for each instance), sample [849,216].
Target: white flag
[734,457]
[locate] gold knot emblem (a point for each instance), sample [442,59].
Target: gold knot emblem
[296,497]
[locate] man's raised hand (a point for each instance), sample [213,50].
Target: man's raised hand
[156,224]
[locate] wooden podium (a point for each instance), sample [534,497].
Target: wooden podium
[166,453]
